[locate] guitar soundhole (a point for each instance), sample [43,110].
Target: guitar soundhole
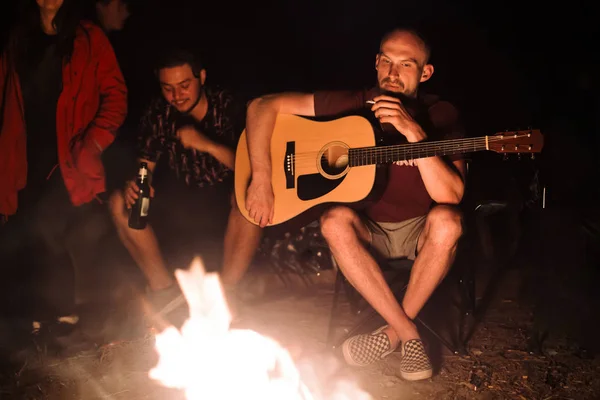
[334,160]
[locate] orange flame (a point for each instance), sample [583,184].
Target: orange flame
[207,360]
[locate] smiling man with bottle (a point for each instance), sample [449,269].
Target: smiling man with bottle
[197,128]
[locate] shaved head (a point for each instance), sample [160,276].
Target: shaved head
[406,34]
[402,62]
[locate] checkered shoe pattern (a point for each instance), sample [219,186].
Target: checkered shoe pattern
[415,364]
[365,349]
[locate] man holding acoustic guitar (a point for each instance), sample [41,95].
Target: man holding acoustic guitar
[415,217]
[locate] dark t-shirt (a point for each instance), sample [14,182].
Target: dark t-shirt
[40,76]
[404,196]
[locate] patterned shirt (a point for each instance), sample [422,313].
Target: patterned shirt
[224,122]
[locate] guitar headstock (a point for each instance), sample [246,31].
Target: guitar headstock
[528,141]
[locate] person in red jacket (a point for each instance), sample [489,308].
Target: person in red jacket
[62,99]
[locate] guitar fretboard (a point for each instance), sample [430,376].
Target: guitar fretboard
[412,151]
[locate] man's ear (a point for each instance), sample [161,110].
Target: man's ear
[427,72]
[202,76]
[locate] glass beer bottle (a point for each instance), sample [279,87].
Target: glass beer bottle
[139,211]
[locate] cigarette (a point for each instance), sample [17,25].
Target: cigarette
[370,101]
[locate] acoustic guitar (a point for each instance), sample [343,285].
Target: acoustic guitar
[320,162]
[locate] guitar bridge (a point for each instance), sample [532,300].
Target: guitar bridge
[289,165]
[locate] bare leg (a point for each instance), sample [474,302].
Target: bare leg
[436,252]
[241,241]
[142,245]
[346,235]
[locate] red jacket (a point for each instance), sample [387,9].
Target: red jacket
[90,109]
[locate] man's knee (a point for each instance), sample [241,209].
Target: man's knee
[445,224]
[336,220]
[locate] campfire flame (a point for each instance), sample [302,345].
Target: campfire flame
[208,360]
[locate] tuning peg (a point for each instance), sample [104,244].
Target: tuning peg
[533,156]
[505,157]
[519,156]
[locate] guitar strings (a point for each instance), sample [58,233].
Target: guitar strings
[300,159]
[443,145]
[407,147]
[414,148]
[389,150]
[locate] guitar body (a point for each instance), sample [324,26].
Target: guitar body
[310,165]
[317,163]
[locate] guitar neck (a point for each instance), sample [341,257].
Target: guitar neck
[412,151]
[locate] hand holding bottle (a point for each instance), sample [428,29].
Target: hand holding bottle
[131,193]
[137,198]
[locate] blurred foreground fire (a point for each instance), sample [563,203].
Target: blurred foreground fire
[208,360]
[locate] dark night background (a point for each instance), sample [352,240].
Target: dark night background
[506,65]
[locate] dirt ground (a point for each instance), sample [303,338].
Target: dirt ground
[499,364]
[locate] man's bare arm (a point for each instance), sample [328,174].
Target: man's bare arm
[260,122]
[444,182]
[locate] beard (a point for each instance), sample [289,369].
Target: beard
[404,99]
[397,94]
[194,103]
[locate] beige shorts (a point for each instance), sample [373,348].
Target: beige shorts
[391,240]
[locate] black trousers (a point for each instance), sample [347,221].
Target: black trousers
[49,252]
[190,221]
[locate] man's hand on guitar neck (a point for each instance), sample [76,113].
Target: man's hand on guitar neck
[259,201]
